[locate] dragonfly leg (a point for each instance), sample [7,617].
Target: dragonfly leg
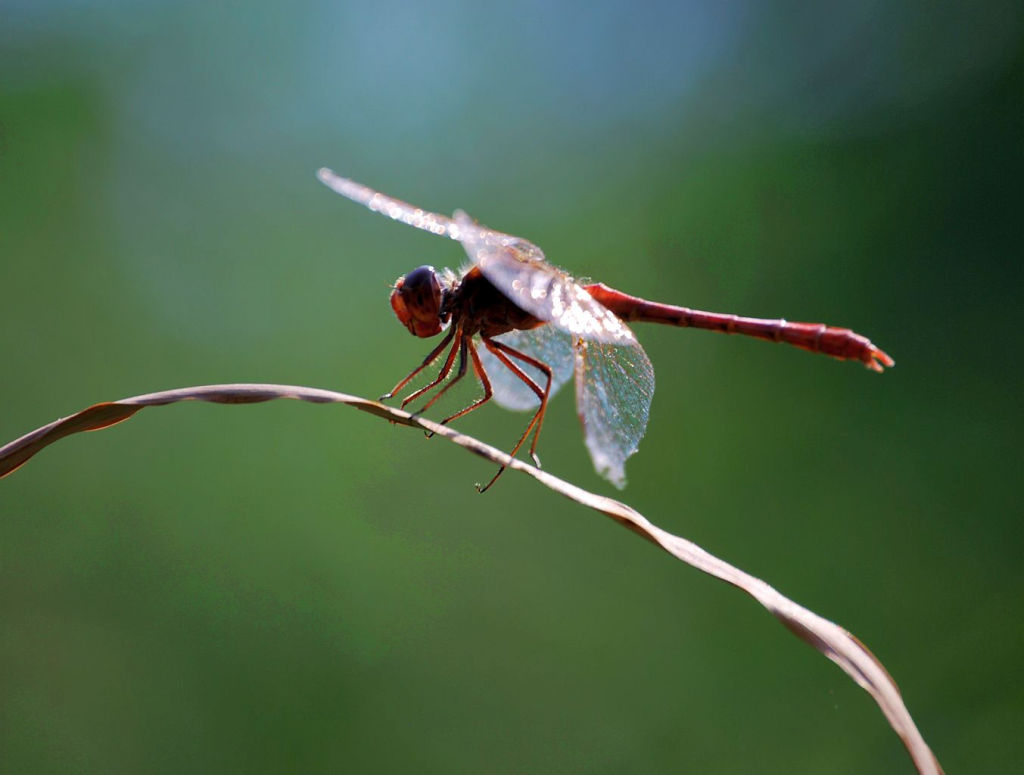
[460,373]
[496,350]
[445,370]
[546,371]
[478,369]
[426,362]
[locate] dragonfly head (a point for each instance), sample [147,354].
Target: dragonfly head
[416,300]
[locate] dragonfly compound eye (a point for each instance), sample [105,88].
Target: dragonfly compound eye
[416,300]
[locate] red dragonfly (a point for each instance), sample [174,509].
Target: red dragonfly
[538,327]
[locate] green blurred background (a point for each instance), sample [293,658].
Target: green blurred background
[294,588]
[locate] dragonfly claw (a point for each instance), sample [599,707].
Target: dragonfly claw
[482,489]
[416,416]
[536,460]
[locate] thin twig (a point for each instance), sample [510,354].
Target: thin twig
[827,637]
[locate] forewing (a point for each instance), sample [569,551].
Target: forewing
[393,208]
[547,344]
[517,268]
[614,388]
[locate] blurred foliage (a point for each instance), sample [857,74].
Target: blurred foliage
[295,588]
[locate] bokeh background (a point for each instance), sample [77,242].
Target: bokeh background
[294,588]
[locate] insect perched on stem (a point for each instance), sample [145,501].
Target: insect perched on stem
[537,327]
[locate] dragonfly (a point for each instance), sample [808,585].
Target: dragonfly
[526,327]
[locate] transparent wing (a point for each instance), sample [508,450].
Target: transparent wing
[547,344]
[393,208]
[517,268]
[514,265]
[614,387]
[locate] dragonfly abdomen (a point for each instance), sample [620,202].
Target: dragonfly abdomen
[841,343]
